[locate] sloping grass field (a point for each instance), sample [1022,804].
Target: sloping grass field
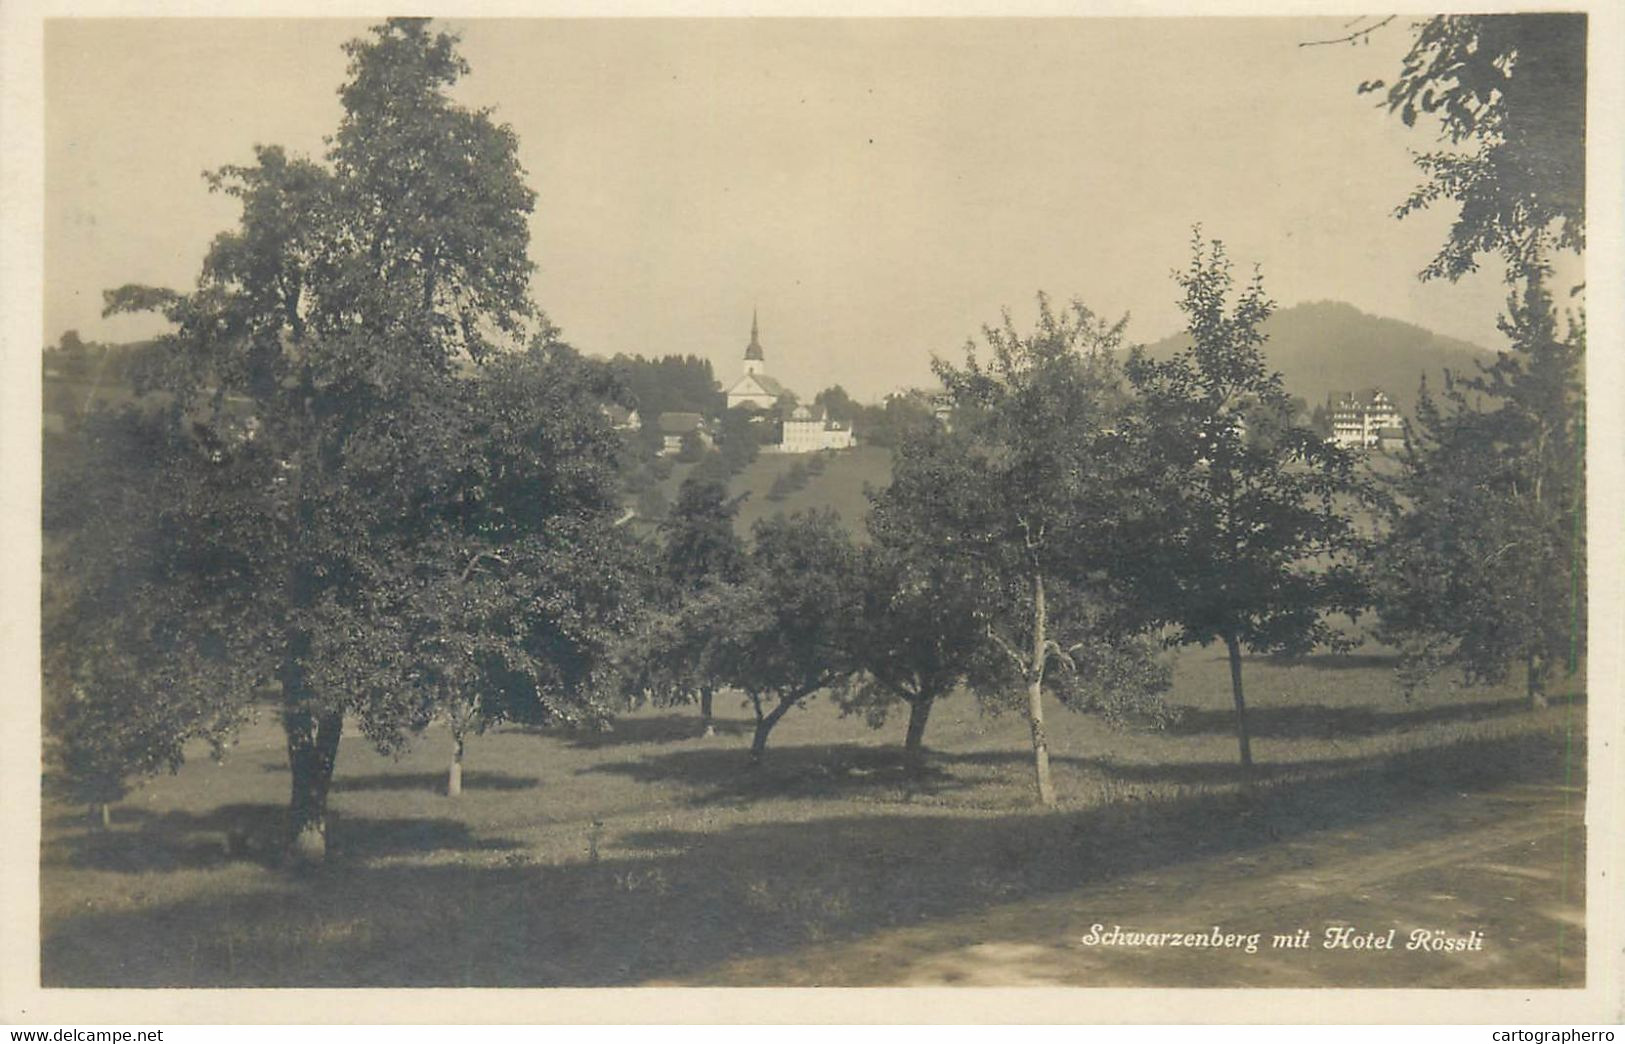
[839,487]
[649,854]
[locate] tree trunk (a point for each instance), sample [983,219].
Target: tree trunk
[454,776]
[764,725]
[919,711]
[706,692]
[313,744]
[1234,646]
[1533,681]
[101,815]
[1035,695]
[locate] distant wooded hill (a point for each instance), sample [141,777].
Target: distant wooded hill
[1327,346]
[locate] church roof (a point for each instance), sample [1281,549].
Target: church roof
[761,380]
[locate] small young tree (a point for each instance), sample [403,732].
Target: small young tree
[781,630]
[525,632]
[739,439]
[916,634]
[1253,543]
[702,552]
[673,653]
[700,545]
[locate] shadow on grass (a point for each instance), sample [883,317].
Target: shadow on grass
[852,771]
[1333,661]
[1171,773]
[831,770]
[148,842]
[667,728]
[473,779]
[1319,721]
[672,903]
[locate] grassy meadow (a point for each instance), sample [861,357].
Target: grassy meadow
[650,854]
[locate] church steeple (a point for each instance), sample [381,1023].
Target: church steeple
[753,351]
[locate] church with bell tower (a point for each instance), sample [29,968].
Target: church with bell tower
[754,389]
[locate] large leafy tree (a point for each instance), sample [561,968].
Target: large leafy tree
[1484,565]
[1508,91]
[329,483]
[1253,542]
[432,202]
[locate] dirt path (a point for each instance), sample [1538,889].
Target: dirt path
[1507,863]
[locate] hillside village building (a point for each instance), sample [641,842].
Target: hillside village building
[676,426]
[621,418]
[1368,418]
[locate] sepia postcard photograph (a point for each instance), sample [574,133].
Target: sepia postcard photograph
[1093,500]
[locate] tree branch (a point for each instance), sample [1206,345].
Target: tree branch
[472,562]
[1353,37]
[1009,650]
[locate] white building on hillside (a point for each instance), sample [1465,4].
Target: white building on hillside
[809,429]
[1360,419]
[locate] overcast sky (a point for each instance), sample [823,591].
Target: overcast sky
[877,188]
